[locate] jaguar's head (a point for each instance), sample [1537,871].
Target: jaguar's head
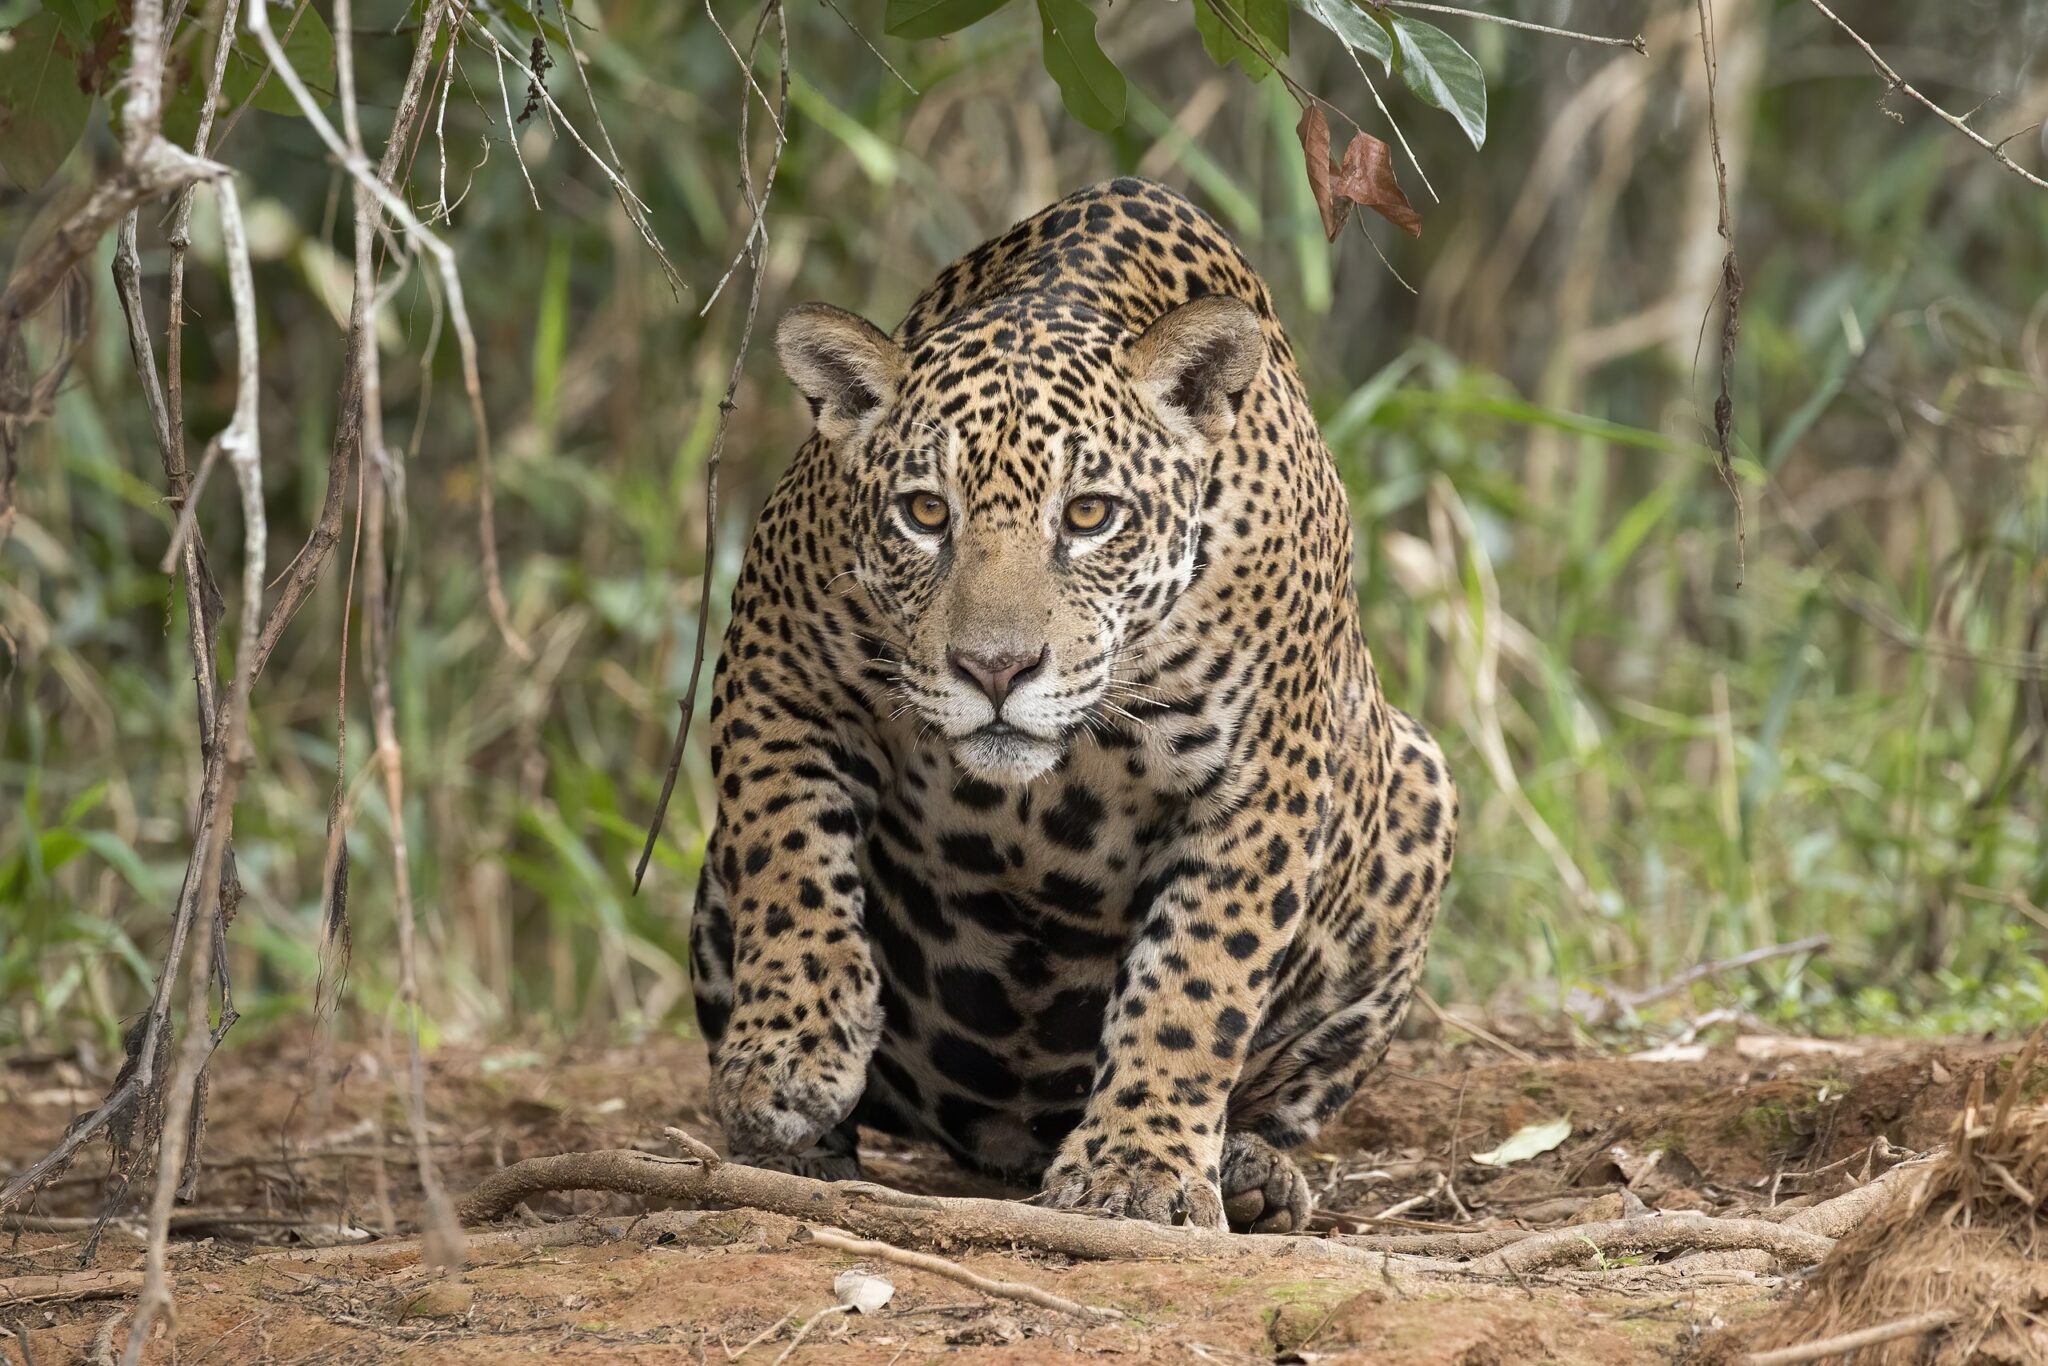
[1028,485]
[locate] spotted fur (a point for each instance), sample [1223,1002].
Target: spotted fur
[1096,857]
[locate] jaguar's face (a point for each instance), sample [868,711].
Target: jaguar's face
[1029,489]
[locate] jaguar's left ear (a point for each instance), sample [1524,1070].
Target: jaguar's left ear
[845,365]
[1195,362]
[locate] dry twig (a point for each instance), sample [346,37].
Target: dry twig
[1894,81]
[423,241]
[1731,295]
[953,1271]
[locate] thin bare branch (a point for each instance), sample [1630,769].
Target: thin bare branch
[423,240]
[444,1245]
[1602,39]
[629,199]
[1897,82]
[1730,293]
[869,44]
[241,444]
[756,249]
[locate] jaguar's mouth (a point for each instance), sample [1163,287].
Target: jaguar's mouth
[1002,753]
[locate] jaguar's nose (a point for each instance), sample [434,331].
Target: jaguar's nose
[996,672]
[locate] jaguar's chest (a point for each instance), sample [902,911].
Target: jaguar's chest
[998,918]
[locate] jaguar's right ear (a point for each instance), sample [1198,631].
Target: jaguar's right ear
[845,365]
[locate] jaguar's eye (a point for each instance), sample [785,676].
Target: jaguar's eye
[1089,513]
[926,511]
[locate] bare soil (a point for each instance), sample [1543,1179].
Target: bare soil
[292,1165]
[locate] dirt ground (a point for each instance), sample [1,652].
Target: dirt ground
[1758,1126]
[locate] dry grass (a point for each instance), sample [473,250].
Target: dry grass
[1966,1240]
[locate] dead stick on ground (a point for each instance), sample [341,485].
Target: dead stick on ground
[939,1266]
[1845,1343]
[102,1353]
[70,1285]
[805,1331]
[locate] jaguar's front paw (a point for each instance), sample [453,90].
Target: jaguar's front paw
[835,1158]
[1263,1191]
[779,1099]
[1127,1180]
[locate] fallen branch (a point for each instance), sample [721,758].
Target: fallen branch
[1844,1343]
[953,1271]
[69,1285]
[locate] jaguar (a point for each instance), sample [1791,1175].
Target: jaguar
[1061,818]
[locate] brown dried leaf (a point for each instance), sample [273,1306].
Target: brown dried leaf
[1367,178]
[1314,132]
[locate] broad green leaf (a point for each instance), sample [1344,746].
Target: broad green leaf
[935,18]
[310,49]
[76,18]
[1265,19]
[42,110]
[1089,82]
[1354,28]
[1443,74]
[1531,1140]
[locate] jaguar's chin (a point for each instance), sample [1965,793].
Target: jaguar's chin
[1001,753]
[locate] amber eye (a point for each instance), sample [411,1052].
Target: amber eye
[927,511]
[1089,513]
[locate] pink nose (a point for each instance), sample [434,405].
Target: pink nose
[996,673]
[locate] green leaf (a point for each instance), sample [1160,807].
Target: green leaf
[1356,29]
[1443,74]
[76,18]
[42,110]
[310,49]
[1089,82]
[935,18]
[1266,19]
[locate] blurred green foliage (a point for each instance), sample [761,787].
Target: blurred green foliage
[1659,767]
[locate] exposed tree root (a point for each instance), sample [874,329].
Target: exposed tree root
[69,1285]
[871,1211]
[1656,1233]
[897,1217]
